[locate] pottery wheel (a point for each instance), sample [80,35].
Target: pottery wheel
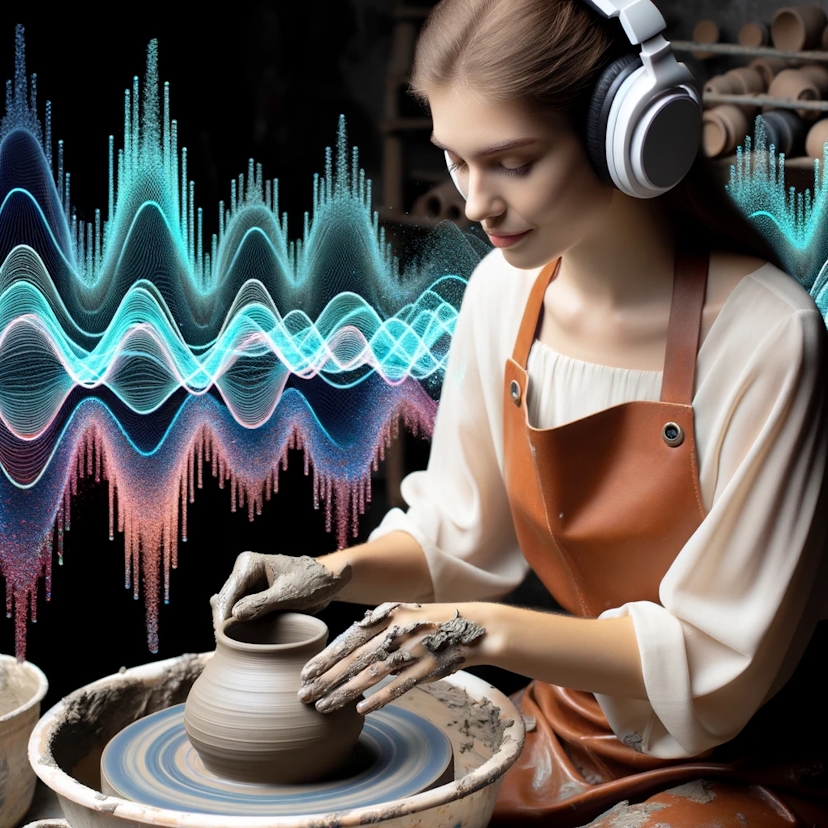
[152,762]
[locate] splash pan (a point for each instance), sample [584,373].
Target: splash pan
[484,728]
[152,761]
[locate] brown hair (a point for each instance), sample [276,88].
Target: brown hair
[549,54]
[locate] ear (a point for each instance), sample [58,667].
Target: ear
[453,174]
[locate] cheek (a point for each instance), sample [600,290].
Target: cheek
[573,195]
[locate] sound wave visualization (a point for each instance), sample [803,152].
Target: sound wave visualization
[795,223]
[133,353]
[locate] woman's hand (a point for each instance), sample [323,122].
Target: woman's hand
[278,582]
[415,643]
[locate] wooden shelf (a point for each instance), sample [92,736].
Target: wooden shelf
[737,50]
[765,100]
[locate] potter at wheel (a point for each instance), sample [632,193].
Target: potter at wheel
[151,761]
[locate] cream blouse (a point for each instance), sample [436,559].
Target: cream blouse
[740,601]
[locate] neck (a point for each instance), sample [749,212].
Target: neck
[627,259]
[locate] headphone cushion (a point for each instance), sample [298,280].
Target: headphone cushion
[600,104]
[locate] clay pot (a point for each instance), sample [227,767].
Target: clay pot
[785,130]
[754,34]
[721,84]
[768,68]
[243,715]
[742,81]
[818,75]
[793,85]
[22,688]
[706,31]
[817,137]
[797,28]
[723,129]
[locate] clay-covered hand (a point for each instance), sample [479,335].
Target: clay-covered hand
[260,584]
[415,643]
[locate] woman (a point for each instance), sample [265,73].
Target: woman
[654,448]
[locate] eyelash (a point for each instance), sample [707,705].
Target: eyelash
[460,166]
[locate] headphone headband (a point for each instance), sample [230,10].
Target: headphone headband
[640,18]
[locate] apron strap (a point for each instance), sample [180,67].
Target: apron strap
[689,288]
[532,314]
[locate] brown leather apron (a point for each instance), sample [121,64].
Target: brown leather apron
[601,507]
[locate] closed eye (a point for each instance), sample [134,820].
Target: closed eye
[461,166]
[517,170]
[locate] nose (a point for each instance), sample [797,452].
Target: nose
[482,199]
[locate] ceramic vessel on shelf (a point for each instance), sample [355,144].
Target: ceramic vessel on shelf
[798,28]
[243,715]
[816,140]
[754,34]
[22,688]
[793,85]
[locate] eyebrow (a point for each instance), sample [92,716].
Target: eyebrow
[504,146]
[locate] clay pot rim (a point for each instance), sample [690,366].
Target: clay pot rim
[126,811]
[248,647]
[40,692]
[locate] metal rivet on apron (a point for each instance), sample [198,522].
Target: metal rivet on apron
[514,390]
[672,434]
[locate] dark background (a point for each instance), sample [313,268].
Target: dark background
[263,79]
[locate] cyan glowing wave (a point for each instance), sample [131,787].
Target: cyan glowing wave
[794,223]
[114,330]
[143,358]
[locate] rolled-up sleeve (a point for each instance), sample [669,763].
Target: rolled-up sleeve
[741,599]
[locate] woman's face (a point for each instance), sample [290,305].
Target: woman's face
[526,175]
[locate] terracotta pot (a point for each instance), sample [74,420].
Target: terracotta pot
[243,715]
[796,28]
[818,75]
[724,84]
[793,85]
[754,34]
[817,137]
[723,129]
[706,31]
[742,81]
[785,130]
[22,688]
[768,68]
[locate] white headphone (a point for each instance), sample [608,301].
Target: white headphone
[644,121]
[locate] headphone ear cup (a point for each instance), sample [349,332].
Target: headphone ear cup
[453,173]
[598,112]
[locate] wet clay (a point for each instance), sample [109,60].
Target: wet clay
[443,656]
[359,633]
[243,716]
[458,631]
[475,719]
[300,583]
[92,717]
[624,815]
[696,791]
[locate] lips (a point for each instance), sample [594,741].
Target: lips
[507,239]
